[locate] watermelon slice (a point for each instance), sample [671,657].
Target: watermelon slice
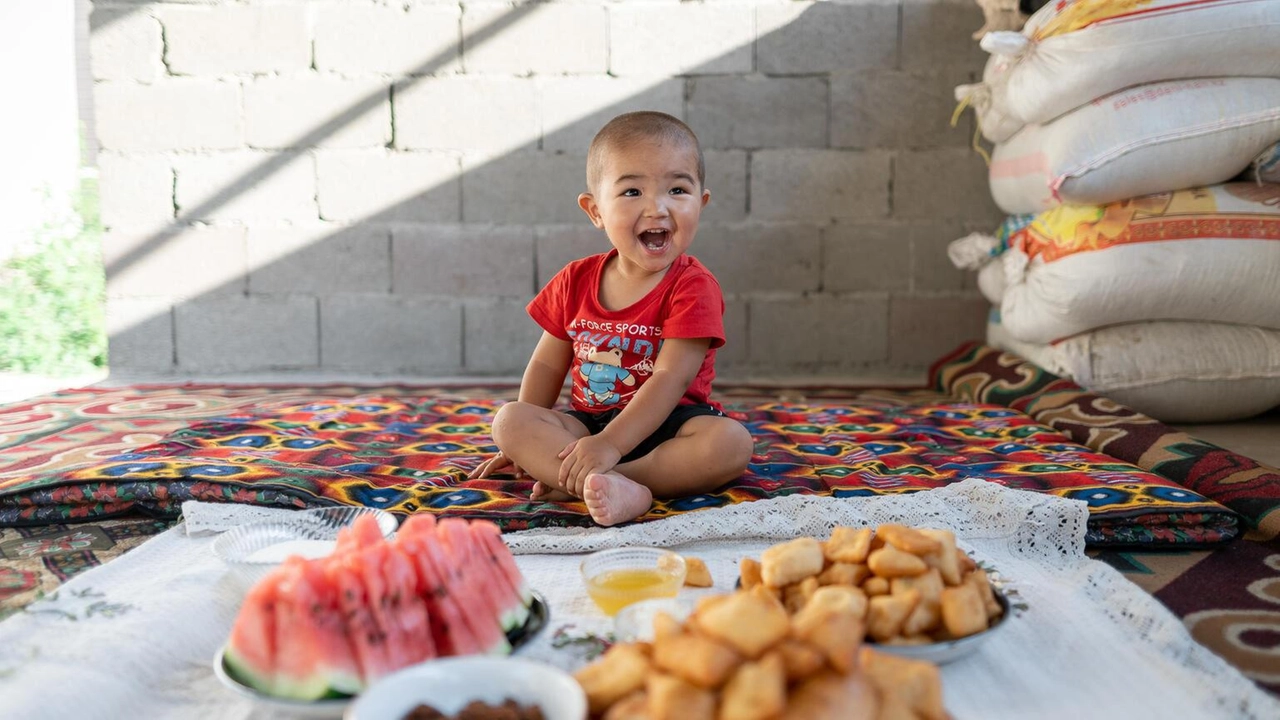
[461,591]
[368,636]
[471,571]
[251,650]
[449,629]
[489,540]
[302,671]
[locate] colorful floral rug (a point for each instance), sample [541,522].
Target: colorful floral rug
[408,454]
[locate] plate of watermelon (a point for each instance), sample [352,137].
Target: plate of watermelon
[313,633]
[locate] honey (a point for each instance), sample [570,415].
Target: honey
[613,590]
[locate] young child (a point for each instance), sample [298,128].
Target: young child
[637,330]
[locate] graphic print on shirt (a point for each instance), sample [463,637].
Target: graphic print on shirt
[613,360]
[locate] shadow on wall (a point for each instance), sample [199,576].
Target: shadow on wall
[828,236]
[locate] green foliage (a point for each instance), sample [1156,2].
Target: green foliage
[52,298]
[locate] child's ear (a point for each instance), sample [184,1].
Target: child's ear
[706,197]
[589,206]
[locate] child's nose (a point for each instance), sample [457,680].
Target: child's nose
[656,207]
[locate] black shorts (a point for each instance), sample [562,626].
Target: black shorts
[596,422]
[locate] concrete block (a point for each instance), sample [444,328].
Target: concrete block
[818,185]
[544,39]
[179,262]
[463,260]
[939,33]
[173,114]
[734,352]
[410,40]
[922,328]
[140,334]
[943,184]
[243,334]
[897,109]
[727,181]
[931,269]
[819,332]
[319,259]
[124,44]
[755,257]
[815,37]
[755,112]
[862,257]
[493,114]
[236,39]
[246,186]
[304,111]
[684,39]
[525,188]
[134,191]
[558,245]
[498,337]
[387,333]
[389,186]
[574,108]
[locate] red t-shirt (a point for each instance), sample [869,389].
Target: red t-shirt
[614,351]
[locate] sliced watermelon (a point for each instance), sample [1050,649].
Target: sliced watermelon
[300,671]
[336,658]
[408,609]
[463,593]
[331,626]
[449,628]
[368,636]
[251,650]
[504,602]
[489,540]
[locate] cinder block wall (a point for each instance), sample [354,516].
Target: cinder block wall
[372,187]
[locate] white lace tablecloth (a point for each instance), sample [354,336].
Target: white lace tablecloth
[136,637]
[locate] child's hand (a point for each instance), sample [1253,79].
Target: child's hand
[493,464]
[582,457]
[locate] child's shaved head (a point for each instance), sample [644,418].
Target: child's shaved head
[642,125]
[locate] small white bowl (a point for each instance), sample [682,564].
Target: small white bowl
[634,623]
[248,549]
[450,683]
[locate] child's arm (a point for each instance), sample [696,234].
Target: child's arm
[541,384]
[676,366]
[544,375]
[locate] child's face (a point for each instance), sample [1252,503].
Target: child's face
[647,201]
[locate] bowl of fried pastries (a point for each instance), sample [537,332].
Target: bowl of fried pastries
[742,656]
[915,592]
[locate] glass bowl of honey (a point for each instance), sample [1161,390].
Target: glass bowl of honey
[617,577]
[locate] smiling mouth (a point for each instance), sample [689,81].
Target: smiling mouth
[655,240]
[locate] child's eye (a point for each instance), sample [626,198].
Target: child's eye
[679,191]
[631,192]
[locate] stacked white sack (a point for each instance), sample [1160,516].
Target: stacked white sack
[1206,254]
[1074,51]
[1174,371]
[1138,141]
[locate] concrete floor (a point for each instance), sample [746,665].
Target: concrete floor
[1258,438]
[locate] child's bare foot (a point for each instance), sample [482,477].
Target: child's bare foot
[613,498]
[543,492]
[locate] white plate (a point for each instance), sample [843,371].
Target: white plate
[245,548]
[450,683]
[944,652]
